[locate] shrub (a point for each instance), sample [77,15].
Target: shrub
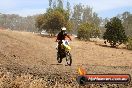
[129,45]
[115,33]
[86,31]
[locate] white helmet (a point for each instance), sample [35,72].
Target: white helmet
[63,29]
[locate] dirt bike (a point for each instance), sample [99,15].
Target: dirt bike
[64,52]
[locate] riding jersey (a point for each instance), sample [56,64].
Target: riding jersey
[61,36]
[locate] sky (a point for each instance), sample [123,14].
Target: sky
[104,8]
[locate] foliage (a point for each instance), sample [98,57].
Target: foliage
[55,3]
[76,16]
[53,20]
[127,23]
[129,45]
[115,33]
[16,22]
[84,14]
[126,18]
[86,31]
[40,21]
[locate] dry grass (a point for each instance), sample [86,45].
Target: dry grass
[7,80]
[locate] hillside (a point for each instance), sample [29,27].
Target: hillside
[33,57]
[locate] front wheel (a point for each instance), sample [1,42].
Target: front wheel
[59,59]
[68,58]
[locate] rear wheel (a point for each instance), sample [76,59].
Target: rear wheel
[68,58]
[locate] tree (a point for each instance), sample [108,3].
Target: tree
[125,15]
[86,31]
[60,3]
[16,22]
[96,19]
[55,3]
[68,6]
[129,43]
[127,23]
[40,21]
[50,3]
[84,14]
[76,16]
[115,33]
[105,21]
[53,20]
[87,14]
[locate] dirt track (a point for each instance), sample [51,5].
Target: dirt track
[22,52]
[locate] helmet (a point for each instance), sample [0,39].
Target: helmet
[63,29]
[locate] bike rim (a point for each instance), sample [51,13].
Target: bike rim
[68,60]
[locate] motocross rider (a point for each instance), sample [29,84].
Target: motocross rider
[62,35]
